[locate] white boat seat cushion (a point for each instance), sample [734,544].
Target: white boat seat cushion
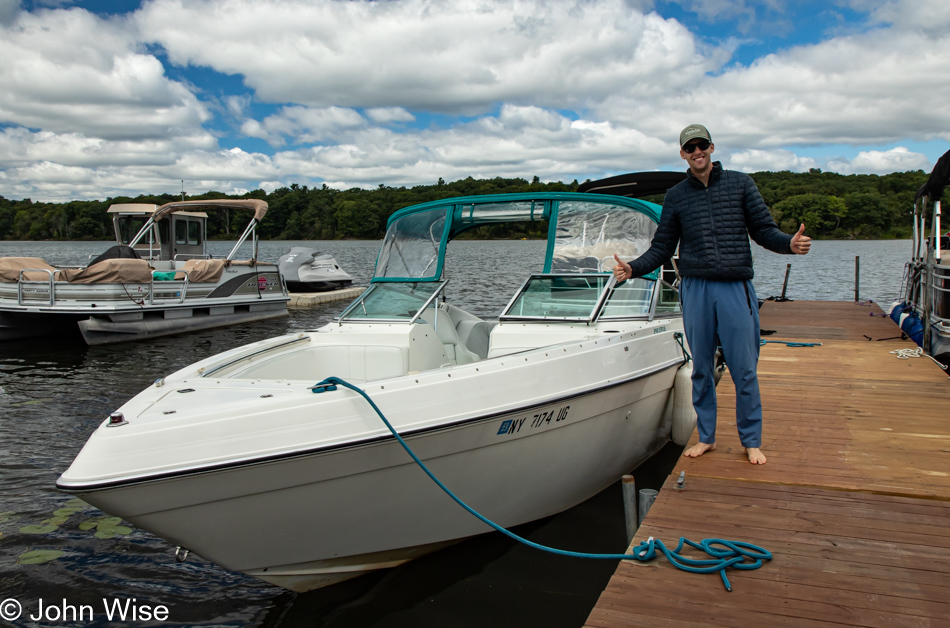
[455,349]
[475,335]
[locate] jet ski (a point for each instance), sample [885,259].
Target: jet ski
[307,270]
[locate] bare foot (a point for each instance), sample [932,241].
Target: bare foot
[755,455]
[699,449]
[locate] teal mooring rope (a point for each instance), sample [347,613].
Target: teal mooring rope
[763,342]
[734,555]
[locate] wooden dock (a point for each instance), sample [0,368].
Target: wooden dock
[854,502]
[309,299]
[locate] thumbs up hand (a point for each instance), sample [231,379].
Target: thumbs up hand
[622,270]
[800,242]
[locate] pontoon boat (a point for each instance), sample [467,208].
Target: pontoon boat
[157,280]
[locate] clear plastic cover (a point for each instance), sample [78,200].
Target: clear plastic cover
[588,234]
[411,247]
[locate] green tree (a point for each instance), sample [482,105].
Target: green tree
[356,219]
[820,213]
[868,215]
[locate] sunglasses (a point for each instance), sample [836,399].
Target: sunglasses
[701,145]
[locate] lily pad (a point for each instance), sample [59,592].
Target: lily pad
[109,530]
[106,527]
[7,516]
[77,503]
[65,512]
[38,557]
[39,529]
[57,520]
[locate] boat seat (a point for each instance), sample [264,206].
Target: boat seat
[10,268]
[110,271]
[203,270]
[455,349]
[475,335]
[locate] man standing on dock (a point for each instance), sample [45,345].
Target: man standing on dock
[711,216]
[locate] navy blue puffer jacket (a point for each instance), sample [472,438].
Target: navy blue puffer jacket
[712,226]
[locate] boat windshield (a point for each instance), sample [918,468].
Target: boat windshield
[394,302]
[580,297]
[412,246]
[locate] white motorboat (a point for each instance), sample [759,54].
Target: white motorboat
[236,459]
[157,280]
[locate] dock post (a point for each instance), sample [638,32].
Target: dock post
[629,486]
[788,269]
[857,277]
[647,497]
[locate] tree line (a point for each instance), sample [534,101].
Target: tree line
[831,205]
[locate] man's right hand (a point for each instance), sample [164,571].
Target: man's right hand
[622,270]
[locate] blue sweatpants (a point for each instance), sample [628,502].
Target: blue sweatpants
[729,310]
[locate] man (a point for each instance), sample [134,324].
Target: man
[711,216]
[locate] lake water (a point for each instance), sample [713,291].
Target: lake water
[53,394]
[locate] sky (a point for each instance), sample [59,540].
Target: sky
[119,97]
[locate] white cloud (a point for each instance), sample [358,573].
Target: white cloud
[387,115]
[713,10]
[880,87]
[9,10]
[558,90]
[20,147]
[774,160]
[897,159]
[927,16]
[304,124]
[463,56]
[68,71]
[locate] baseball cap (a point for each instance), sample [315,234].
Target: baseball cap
[693,132]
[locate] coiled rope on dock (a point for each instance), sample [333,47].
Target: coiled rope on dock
[906,354]
[725,554]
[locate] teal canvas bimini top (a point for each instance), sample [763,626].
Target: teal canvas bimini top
[584,231]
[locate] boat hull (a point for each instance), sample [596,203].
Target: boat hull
[306,521]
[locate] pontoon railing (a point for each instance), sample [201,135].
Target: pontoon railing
[21,282]
[169,285]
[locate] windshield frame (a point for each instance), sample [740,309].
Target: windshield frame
[379,290]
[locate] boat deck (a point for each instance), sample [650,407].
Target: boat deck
[854,503]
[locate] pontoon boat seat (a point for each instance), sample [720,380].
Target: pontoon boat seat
[203,270]
[10,268]
[110,271]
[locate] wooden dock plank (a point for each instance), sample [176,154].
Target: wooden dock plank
[854,502]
